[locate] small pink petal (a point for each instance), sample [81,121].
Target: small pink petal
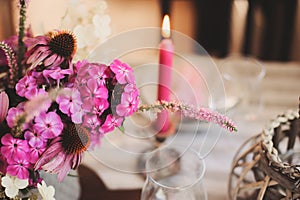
[48,61]
[4,102]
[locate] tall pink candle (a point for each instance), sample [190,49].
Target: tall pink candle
[166,49]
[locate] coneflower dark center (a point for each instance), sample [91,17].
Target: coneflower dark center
[75,139]
[63,44]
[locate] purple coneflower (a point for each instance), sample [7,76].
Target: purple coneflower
[52,50]
[65,152]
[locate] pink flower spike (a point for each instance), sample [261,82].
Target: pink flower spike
[4,103]
[13,147]
[123,71]
[49,125]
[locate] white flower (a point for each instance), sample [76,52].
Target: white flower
[47,192]
[88,21]
[12,185]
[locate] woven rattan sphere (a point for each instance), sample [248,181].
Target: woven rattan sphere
[267,166]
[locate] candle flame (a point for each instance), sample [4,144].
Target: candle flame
[166,30]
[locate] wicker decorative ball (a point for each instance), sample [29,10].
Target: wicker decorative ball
[267,166]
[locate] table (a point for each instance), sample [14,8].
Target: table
[280,92]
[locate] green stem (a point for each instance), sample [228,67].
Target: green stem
[21,46]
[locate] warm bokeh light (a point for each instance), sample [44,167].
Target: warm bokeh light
[166,32]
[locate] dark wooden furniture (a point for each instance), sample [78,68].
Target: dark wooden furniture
[92,188]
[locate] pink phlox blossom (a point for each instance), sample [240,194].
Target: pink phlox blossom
[91,121]
[19,167]
[110,123]
[77,116]
[98,72]
[81,70]
[80,65]
[100,106]
[14,113]
[69,101]
[13,147]
[129,104]
[95,139]
[36,152]
[124,73]
[26,87]
[92,91]
[131,88]
[34,138]
[49,125]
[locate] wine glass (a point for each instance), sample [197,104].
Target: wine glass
[242,78]
[174,173]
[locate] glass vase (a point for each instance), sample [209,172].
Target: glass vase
[174,174]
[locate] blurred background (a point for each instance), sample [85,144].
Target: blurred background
[266,29]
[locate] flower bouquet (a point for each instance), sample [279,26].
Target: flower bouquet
[52,109]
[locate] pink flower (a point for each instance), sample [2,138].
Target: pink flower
[80,64]
[13,114]
[55,160]
[56,73]
[131,88]
[91,121]
[69,101]
[18,167]
[77,117]
[110,123]
[35,153]
[92,91]
[4,102]
[52,50]
[49,125]
[100,106]
[129,104]
[124,73]
[26,87]
[98,72]
[13,147]
[95,139]
[65,152]
[34,138]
